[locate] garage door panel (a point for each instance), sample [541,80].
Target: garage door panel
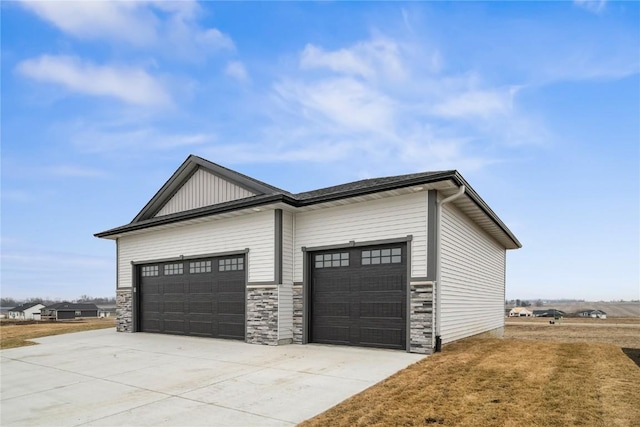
[152,325]
[331,309]
[381,337]
[152,288]
[362,301]
[231,329]
[393,282]
[174,326]
[177,307]
[333,334]
[151,307]
[201,307]
[382,310]
[175,288]
[230,296]
[201,328]
[197,287]
[235,285]
[230,308]
[193,298]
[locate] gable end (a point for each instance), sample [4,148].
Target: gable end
[236,186]
[203,189]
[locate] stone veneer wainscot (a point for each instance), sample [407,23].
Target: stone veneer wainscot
[421,318]
[262,315]
[124,310]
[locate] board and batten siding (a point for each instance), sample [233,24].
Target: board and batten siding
[203,189]
[472,275]
[285,289]
[388,218]
[254,231]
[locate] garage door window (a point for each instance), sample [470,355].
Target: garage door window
[173,269]
[231,264]
[340,259]
[200,267]
[149,270]
[382,256]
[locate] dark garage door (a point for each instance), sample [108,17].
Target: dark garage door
[358,296]
[204,297]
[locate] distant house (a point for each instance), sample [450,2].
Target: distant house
[106,312]
[520,312]
[595,314]
[550,312]
[26,311]
[68,310]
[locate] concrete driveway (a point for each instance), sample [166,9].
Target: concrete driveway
[105,378]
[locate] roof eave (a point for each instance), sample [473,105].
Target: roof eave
[482,205]
[196,213]
[290,200]
[443,176]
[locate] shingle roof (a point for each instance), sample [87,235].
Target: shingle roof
[367,184]
[267,194]
[25,306]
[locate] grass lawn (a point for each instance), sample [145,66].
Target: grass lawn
[17,334]
[515,381]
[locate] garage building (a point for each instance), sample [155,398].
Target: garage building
[404,262]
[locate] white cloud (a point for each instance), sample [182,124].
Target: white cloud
[378,57]
[344,102]
[594,6]
[617,63]
[343,60]
[128,84]
[131,138]
[168,26]
[118,20]
[483,104]
[215,39]
[266,153]
[237,70]
[375,101]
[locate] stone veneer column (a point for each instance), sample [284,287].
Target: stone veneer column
[298,307]
[124,310]
[262,315]
[421,318]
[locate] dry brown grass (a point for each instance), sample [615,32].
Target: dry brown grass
[494,382]
[18,334]
[622,335]
[578,320]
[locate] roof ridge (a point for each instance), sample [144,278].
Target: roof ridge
[257,181]
[376,180]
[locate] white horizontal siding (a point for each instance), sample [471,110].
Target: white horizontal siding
[285,291]
[285,311]
[203,189]
[473,267]
[287,247]
[388,218]
[255,231]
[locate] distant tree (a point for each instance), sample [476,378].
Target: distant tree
[518,303]
[96,300]
[8,302]
[539,303]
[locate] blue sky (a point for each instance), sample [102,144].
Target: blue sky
[536,104]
